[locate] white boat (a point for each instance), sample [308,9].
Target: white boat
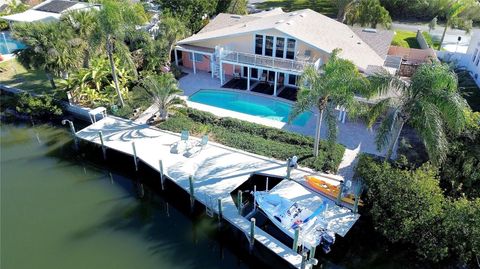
[288,216]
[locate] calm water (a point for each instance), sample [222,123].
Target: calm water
[249,104]
[9,45]
[57,211]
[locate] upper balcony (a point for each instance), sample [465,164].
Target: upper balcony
[260,61]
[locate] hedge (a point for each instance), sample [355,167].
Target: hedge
[258,139]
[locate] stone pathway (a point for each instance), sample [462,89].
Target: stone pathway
[147,114]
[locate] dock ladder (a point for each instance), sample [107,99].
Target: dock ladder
[209,205]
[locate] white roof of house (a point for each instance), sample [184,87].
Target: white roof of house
[32,15]
[306,25]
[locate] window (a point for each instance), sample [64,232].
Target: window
[292,79]
[280,47]
[290,49]
[269,45]
[259,44]
[198,57]
[475,55]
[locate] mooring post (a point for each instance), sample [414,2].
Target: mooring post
[220,209]
[339,196]
[239,202]
[192,194]
[252,232]
[162,179]
[266,185]
[355,204]
[72,130]
[254,199]
[304,260]
[100,134]
[288,168]
[135,155]
[295,239]
[312,252]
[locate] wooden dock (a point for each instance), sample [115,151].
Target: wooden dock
[217,171]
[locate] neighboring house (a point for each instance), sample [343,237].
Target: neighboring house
[48,11]
[471,60]
[275,47]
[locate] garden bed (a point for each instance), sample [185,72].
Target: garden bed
[256,138]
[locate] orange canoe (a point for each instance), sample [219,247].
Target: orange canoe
[330,190]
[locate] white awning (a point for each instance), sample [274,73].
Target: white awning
[31,16]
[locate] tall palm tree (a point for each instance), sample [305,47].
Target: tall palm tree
[171,30]
[430,103]
[84,25]
[115,19]
[459,12]
[335,84]
[164,92]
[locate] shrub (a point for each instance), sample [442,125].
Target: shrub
[38,106]
[257,139]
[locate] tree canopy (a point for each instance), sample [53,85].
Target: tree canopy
[368,12]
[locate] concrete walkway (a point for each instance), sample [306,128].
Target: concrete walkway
[354,135]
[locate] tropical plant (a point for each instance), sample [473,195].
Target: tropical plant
[164,92]
[51,47]
[38,106]
[368,12]
[171,30]
[115,19]
[94,86]
[84,26]
[430,103]
[194,13]
[334,85]
[459,13]
[232,7]
[13,7]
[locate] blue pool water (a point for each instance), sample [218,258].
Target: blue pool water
[249,104]
[9,45]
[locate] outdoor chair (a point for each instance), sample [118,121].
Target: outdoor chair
[183,144]
[199,146]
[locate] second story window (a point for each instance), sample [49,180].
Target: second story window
[269,45]
[280,47]
[259,44]
[290,49]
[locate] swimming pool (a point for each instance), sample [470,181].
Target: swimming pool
[9,45]
[249,104]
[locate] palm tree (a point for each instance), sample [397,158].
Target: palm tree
[430,103]
[84,25]
[115,19]
[171,30]
[336,84]
[164,92]
[459,12]
[51,47]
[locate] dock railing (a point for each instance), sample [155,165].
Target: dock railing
[265,61]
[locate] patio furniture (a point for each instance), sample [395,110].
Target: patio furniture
[199,146]
[182,145]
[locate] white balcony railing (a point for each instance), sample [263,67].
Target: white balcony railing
[266,61]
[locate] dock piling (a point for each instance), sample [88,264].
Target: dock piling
[239,202]
[295,239]
[162,179]
[72,130]
[304,260]
[252,232]
[312,252]
[192,191]
[135,156]
[339,197]
[254,199]
[355,204]
[220,210]
[104,150]
[266,185]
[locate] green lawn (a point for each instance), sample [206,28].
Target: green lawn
[326,7]
[13,74]
[469,89]
[406,39]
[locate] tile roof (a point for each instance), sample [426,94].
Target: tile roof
[306,25]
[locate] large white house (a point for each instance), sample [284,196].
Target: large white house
[275,47]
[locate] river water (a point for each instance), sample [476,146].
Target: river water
[60,211]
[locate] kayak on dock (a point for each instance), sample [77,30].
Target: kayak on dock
[331,190]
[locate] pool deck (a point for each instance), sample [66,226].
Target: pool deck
[217,171]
